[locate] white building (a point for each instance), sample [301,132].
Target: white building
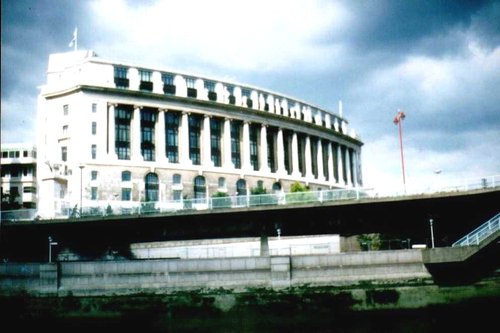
[117,133]
[18,168]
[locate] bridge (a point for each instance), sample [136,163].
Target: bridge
[345,212]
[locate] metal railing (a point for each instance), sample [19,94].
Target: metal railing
[93,208]
[481,233]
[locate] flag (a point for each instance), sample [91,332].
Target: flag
[399,116]
[73,41]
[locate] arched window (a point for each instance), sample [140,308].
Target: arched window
[151,187]
[276,187]
[241,187]
[126,176]
[199,187]
[222,182]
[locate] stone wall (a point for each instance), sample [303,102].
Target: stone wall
[238,274]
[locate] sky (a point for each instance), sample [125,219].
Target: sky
[437,61]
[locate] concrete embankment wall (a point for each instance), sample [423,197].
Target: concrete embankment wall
[169,275]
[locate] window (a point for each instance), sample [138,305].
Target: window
[65,109]
[94,107]
[121,77]
[25,153]
[94,151]
[65,130]
[276,187]
[210,86]
[176,179]
[241,191]
[235,143]
[29,189]
[126,176]
[93,193]
[191,90]
[199,187]
[5,154]
[232,98]
[126,194]
[151,187]
[168,84]
[222,182]
[64,154]
[146,84]
[94,128]
[148,120]
[123,116]
[177,195]
[93,175]
[254,151]
[194,139]
[246,93]
[215,141]
[271,162]
[172,136]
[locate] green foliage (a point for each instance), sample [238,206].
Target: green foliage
[258,190]
[219,194]
[300,193]
[370,242]
[298,187]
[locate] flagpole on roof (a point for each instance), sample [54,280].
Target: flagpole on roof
[74,41]
[398,120]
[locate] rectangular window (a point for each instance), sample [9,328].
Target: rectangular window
[123,116]
[215,141]
[172,136]
[168,84]
[94,107]
[177,195]
[210,86]
[29,189]
[271,162]
[25,153]
[235,143]
[126,194]
[94,152]
[65,109]
[94,128]
[254,146]
[191,90]
[64,154]
[146,84]
[93,193]
[5,154]
[93,175]
[148,121]
[121,77]
[194,139]
[65,130]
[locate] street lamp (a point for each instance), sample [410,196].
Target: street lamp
[398,120]
[81,187]
[432,231]
[51,243]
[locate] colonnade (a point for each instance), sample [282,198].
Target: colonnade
[281,152]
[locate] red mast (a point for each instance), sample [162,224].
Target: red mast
[398,120]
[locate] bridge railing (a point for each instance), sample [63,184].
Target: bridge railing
[94,208]
[480,233]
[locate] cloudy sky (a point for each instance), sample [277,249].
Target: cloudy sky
[438,61]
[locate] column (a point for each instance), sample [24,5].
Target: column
[111,132]
[206,152]
[348,167]
[246,166]
[308,159]
[160,137]
[331,173]
[264,165]
[355,168]
[227,163]
[295,156]
[136,135]
[319,156]
[340,167]
[184,139]
[280,153]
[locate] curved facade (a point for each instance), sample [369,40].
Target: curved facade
[119,133]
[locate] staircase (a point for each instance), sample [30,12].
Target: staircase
[481,233]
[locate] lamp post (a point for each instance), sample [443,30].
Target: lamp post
[398,120]
[51,243]
[81,187]
[431,221]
